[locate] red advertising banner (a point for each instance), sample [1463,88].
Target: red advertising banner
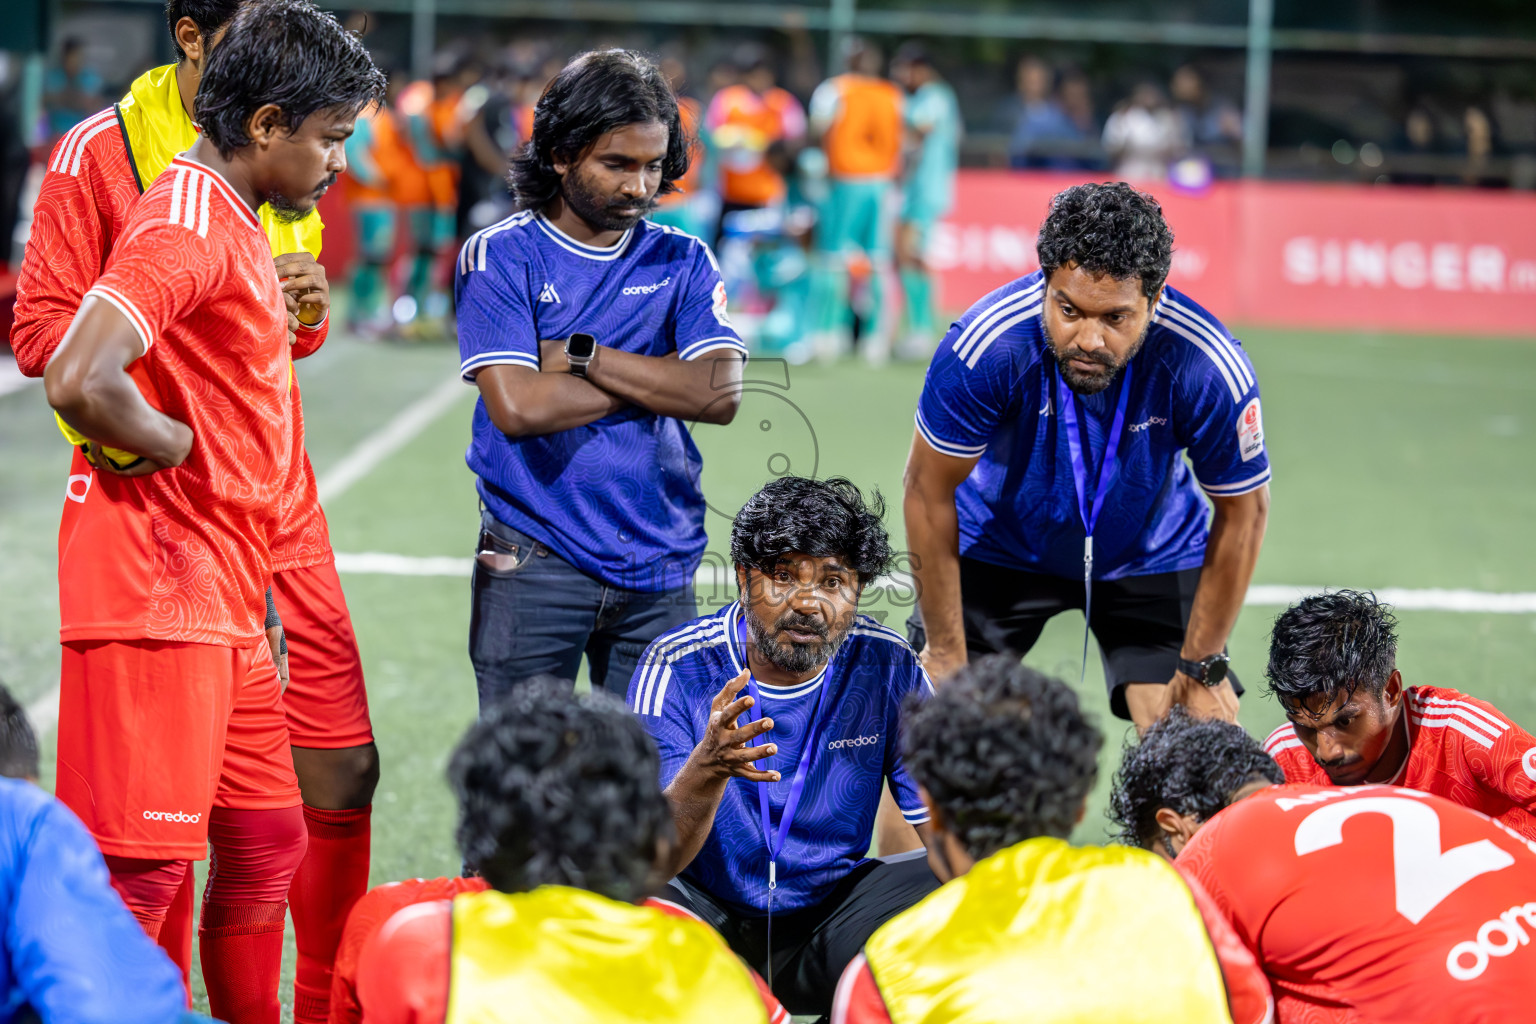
[1267,253]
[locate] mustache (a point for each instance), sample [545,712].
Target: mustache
[805,623]
[1339,762]
[327,183]
[1102,357]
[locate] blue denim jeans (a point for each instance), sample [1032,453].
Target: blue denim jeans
[534,613]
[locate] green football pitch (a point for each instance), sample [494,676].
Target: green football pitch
[1399,462]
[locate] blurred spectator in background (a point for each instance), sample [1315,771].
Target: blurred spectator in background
[490,136]
[857,116]
[745,120]
[690,207]
[431,115]
[933,121]
[1144,135]
[1479,133]
[1212,125]
[384,181]
[71,90]
[14,160]
[1044,134]
[1417,145]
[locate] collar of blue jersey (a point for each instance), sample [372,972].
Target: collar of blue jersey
[591,252]
[739,660]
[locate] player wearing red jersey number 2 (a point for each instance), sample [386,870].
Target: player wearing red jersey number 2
[172,731]
[94,176]
[1333,666]
[1369,903]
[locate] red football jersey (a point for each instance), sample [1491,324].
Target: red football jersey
[81,209]
[1375,903]
[1459,747]
[184,553]
[407,972]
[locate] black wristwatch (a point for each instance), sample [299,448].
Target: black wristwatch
[579,350]
[1211,671]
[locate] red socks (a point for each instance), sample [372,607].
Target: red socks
[148,887]
[255,855]
[333,877]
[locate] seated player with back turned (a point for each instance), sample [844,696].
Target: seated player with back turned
[774,791]
[1028,927]
[73,954]
[1333,667]
[1370,903]
[559,811]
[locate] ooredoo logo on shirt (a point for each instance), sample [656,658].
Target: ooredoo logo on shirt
[176,816]
[854,741]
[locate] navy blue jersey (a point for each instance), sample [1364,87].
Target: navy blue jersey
[990,392]
[72,952]
[618,498]
[858,746]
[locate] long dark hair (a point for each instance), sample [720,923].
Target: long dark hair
[596,93]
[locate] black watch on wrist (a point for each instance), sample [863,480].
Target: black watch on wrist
[579,350]
[1211,671]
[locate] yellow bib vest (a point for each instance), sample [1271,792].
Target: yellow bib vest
[572,957]
[155,129]
[1052,934]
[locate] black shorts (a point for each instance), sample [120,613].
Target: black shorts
[1138,620]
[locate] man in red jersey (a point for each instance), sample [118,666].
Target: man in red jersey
[1333,667]
[1370,903]
[172,730]
[95,174]
[560,809]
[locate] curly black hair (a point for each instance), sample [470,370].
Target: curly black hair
[18,743]
[208,15]
[821,518]
[1005,752]
[557,788]
[1188,764]
[1331,643]
[285,52]
[1108,228]
[596,93]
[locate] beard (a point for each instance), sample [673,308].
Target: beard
[287,211]
[1090,383]
[601,210]
[792,657]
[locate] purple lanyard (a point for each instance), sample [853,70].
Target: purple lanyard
[1067,403]
[775,840]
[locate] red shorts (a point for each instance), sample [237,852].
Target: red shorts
[154,734]
[326,703]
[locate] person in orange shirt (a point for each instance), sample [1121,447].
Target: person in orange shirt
[858,118]
[382,180]
[746,121]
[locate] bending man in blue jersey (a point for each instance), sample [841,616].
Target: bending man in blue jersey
[1048,469]
[593,336]
[774,790]
[73,954]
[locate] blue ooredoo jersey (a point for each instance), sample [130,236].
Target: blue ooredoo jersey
[73,954]
[857,747]
[991,392]
[618,498]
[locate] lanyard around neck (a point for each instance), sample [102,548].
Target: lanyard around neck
[774,839]
[1108,469]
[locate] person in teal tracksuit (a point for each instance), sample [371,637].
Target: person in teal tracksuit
[934,123]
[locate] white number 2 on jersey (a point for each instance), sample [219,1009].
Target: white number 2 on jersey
[1424,873]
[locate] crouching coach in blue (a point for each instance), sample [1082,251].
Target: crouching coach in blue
[778,721]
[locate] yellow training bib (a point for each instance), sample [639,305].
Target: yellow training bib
[572,957]
[1052,934]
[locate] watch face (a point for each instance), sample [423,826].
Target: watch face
[581,346]
[1216,671]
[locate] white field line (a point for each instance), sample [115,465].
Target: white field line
[389,439]
[356,464]
[1260,595]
